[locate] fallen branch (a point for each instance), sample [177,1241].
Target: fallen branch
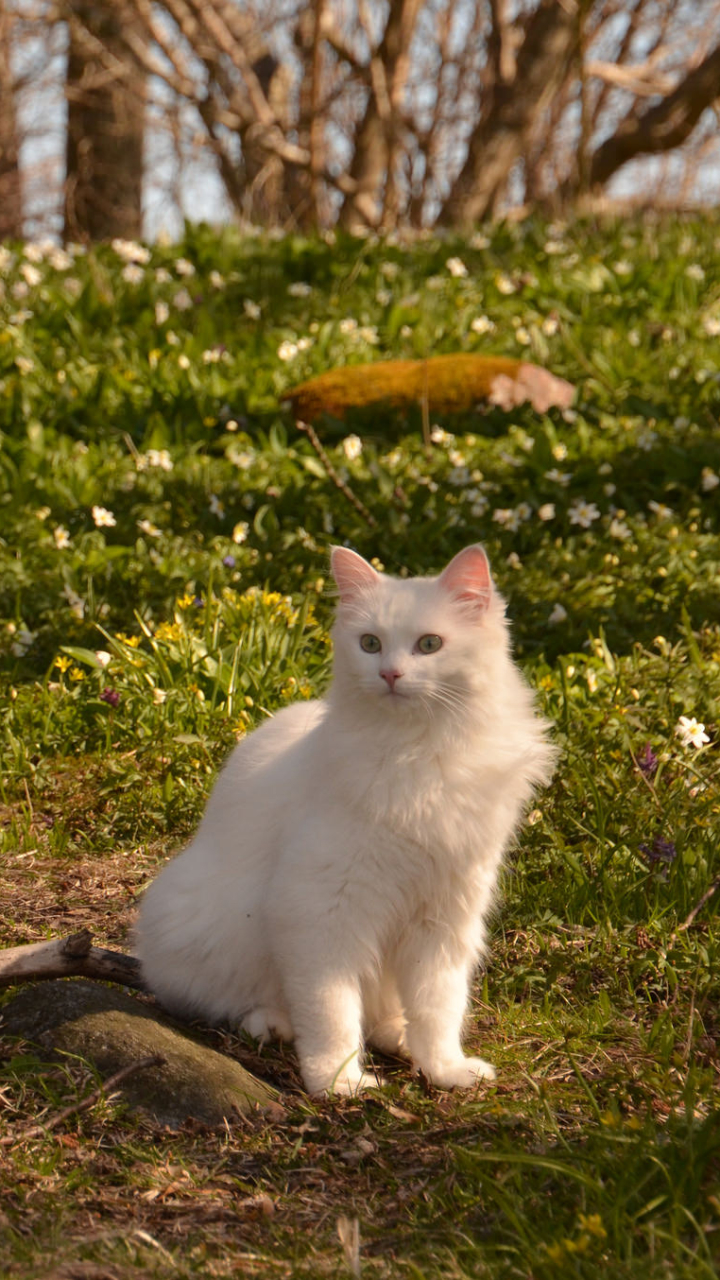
[332,473]
[103,1091]
[68,958]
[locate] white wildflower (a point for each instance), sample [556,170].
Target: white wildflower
[662,511]
[348,325]
[456,267]
[507,517]
[287,350]
[182,300]
[558,614]
[60,260]
[251,309]
[183,361]
[695,272]
[216,507]
[546,511]
[133,273]
[709,480]
[147,527]
[62,537]
[103,657]
[559,477]
[583,513]
[711,325]
[24,364]
[299,289]
[159,458]
[184,268]
[352,447]
[504,284]
[162,311]
[103,518]
[439,436]
[482,325]
[240,532]
[559,452]
[619,529]
[23,641]
[130,251]
[691,732]
[30,274]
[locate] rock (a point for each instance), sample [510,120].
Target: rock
[111,1030]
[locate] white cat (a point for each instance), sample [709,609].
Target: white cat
[338,885]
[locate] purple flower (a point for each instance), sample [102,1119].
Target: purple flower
[647,761]
[229,562]
[660,850]
[111,696]
[198,602]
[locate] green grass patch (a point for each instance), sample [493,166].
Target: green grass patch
[164,531]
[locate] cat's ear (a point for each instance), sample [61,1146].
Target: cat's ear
[467,579]
[352,574]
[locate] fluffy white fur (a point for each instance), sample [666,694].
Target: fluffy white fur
[338,885]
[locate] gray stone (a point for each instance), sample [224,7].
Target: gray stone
[111,1030]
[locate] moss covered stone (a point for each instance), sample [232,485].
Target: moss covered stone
[111,1030]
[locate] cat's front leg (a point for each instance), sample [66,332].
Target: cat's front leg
[326,1017]
[434,990]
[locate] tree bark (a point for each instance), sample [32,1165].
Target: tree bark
[10,180]
[388,70]
[106,107]
[664,126]
[543,62]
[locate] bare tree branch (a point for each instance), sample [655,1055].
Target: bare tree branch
[662,127]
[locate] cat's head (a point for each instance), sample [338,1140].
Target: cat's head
[425,644]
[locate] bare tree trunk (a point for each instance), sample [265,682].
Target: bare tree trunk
[106,109]
[543,62]
[664,126]
[389,67]
[10,182]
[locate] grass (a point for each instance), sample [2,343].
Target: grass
[163,560]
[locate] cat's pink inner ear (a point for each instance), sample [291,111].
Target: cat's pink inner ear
[352,574]
[468,578]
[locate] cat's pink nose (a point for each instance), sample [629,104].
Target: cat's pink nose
[391,677]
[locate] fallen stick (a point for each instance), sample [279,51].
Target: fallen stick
[68,958]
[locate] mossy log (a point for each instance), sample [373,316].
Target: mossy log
[445,384]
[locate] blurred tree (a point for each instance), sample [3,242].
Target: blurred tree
[105,94]
[10,182]
[377,114]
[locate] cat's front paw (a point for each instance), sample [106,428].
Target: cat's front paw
[346,1083]
[462,1073]
[349,1085]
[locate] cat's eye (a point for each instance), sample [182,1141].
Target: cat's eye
[429,644]
[370,644]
